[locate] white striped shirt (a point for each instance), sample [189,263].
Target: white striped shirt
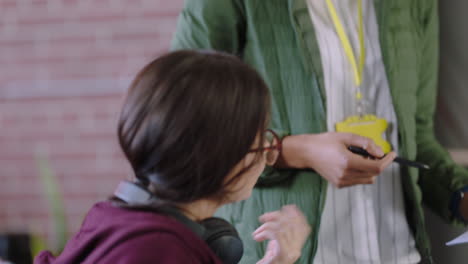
[365,223]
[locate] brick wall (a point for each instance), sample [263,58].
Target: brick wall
[64,68]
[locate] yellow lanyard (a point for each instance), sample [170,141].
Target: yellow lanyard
[358,70]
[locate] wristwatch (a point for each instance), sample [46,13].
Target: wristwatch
[455,203]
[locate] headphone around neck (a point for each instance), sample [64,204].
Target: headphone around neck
[220,235]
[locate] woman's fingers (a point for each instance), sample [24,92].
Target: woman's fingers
[271,216]
[328,155]
[373,166]
[266,231]
[287,230]
[362,142]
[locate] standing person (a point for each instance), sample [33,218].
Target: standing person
[333,67]
[193,127]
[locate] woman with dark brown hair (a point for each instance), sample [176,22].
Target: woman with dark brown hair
[193,127]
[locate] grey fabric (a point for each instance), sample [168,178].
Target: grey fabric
[451,117]
[452,108]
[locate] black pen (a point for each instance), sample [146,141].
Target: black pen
[401,161]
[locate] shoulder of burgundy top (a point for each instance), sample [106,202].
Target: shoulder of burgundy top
[111,234]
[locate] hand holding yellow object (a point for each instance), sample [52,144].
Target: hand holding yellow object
[369,126]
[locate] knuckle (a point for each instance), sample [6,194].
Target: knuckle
[293,255]
[341,176]
[366,144]
[345,163]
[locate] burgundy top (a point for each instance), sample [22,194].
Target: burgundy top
[116,235]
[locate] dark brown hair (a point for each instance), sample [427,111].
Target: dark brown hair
[188,119]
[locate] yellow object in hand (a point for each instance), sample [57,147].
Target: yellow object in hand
[369,126]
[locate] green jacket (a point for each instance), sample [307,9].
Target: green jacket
[277,38]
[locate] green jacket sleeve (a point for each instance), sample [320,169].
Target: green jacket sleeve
[219,25]
[445,177]
[211,24]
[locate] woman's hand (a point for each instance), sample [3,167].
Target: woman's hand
[287,231]
[328,155]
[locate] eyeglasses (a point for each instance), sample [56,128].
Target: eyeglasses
[271,148]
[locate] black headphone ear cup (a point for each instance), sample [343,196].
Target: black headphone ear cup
[219,234]
[223,239]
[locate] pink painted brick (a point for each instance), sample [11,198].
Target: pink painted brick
[60,94]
